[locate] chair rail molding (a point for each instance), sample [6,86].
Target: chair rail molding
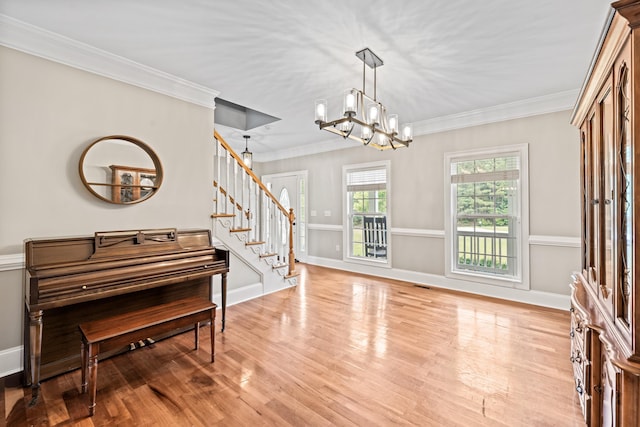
[537,240]
[563,241]
[11,262]
[325,227]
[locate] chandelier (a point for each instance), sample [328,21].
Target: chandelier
[364,119]
[247,156]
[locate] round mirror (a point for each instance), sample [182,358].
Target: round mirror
[120,169]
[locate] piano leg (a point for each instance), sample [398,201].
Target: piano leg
[224,299]
[196,329]
[212,331]
[35,351]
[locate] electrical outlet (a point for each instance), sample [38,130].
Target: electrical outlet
[314,213]
[327,213]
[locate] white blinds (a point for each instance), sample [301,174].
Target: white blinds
[506,168]
[367,179]
[486,177]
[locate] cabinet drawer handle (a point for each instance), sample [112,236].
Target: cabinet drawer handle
[579,389]
[84,286]
[595,201]
[572,334]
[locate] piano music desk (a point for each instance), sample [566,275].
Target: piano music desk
[129,328]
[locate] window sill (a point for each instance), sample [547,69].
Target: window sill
[371,262]
[505,282]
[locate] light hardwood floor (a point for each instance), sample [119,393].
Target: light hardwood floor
[338,349]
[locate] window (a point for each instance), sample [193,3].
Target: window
[487,229]
[367,195]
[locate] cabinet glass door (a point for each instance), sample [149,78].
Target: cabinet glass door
[625,267]
[607,199]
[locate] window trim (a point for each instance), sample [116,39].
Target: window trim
[521,281]
[346,225]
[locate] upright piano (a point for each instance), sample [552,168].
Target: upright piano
[79,279]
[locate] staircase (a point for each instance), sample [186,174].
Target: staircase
[250,221]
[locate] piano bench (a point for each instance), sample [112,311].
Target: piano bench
[120,331]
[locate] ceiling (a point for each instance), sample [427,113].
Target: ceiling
[441,58]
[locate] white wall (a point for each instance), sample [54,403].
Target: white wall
[417,202]
[49,113]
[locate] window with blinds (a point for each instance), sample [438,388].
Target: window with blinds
[485,205]
[366,189]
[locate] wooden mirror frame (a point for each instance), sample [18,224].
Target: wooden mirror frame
[115,183]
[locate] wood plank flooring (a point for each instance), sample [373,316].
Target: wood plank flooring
[338,349]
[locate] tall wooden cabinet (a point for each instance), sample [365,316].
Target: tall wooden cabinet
[605,322]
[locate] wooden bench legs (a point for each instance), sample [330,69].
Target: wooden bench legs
[90,364]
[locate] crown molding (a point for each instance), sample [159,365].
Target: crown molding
[36,41]
[553,103]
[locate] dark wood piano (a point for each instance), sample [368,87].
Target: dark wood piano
[79,279]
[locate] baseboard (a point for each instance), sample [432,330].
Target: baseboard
[236,296]
[543,299]
[11,361]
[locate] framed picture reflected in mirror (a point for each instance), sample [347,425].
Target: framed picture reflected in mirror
[132,184]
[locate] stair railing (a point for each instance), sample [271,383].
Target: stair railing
[243,198]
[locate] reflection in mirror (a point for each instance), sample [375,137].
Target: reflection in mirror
[120,169]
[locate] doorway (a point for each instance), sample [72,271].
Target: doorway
[290,189]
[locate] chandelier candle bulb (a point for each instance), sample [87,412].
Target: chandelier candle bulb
[321,111]
[366,133]
[407,132]
[393,123]
[349,103]
[373,114]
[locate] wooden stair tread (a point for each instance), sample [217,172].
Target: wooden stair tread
[267,255]
[239,230]
[277,266]
[222,215]
[254,243]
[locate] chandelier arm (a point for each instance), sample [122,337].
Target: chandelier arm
[373,132]
[401,142]
[356,138]
[350,130]
[333,123]
[332,130]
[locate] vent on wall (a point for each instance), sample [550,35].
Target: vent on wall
[239,117]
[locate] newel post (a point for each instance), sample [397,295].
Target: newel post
[292,257]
